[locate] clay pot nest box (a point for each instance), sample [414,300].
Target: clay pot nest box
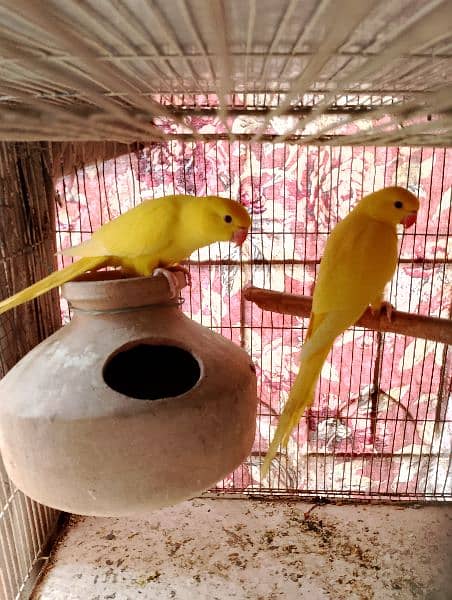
[131,406]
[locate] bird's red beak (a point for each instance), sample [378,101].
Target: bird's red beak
[239,236]
[408,220]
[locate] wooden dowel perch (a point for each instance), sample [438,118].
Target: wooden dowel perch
[428,328]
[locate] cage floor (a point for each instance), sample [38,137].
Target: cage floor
[243,549]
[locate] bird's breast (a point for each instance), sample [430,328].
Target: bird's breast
[359,259]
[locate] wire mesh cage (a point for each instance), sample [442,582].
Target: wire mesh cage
[380,426]
[297,112]
[81,71]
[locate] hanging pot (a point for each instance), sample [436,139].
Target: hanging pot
[131,406]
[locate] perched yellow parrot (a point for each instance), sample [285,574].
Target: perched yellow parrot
[157,233]
[360,258]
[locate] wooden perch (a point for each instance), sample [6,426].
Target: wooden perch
[428,328]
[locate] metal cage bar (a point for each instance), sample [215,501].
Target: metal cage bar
[380,427]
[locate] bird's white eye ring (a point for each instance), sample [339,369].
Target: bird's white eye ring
[398,204]
[228,219]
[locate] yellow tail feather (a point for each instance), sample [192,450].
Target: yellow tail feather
[52,281]
[300,398]
[323,330]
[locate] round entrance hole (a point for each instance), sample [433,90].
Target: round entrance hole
[151,371]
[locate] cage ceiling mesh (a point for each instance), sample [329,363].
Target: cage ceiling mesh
[102,70]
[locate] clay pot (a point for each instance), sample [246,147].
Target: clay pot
[130,407]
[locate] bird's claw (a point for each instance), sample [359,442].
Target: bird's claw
[169,274]
[171,278]
[388,308]
[385,308]
[183,269]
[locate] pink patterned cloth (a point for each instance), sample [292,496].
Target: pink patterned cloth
[364,435]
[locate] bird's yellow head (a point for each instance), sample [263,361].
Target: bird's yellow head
[394,205]
[221,219]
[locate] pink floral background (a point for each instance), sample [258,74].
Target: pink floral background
[366,434]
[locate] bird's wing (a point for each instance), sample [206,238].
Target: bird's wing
[147,229]
[359,259]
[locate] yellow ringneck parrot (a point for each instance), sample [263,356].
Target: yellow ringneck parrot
[360,258]
[156,233]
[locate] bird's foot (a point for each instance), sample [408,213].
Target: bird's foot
[385,308]
[173,282]
[182,269]
[170,275]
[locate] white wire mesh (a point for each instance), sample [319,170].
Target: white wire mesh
[380,426]
[67,64]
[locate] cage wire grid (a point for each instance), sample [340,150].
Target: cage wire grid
[222,94]
[380,426]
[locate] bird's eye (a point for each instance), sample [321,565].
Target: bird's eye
[228,219]
[398,204]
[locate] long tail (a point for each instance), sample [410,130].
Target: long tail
[300,398]
[323,330]
[53,280]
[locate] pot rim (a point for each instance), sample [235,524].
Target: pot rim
[110,290]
